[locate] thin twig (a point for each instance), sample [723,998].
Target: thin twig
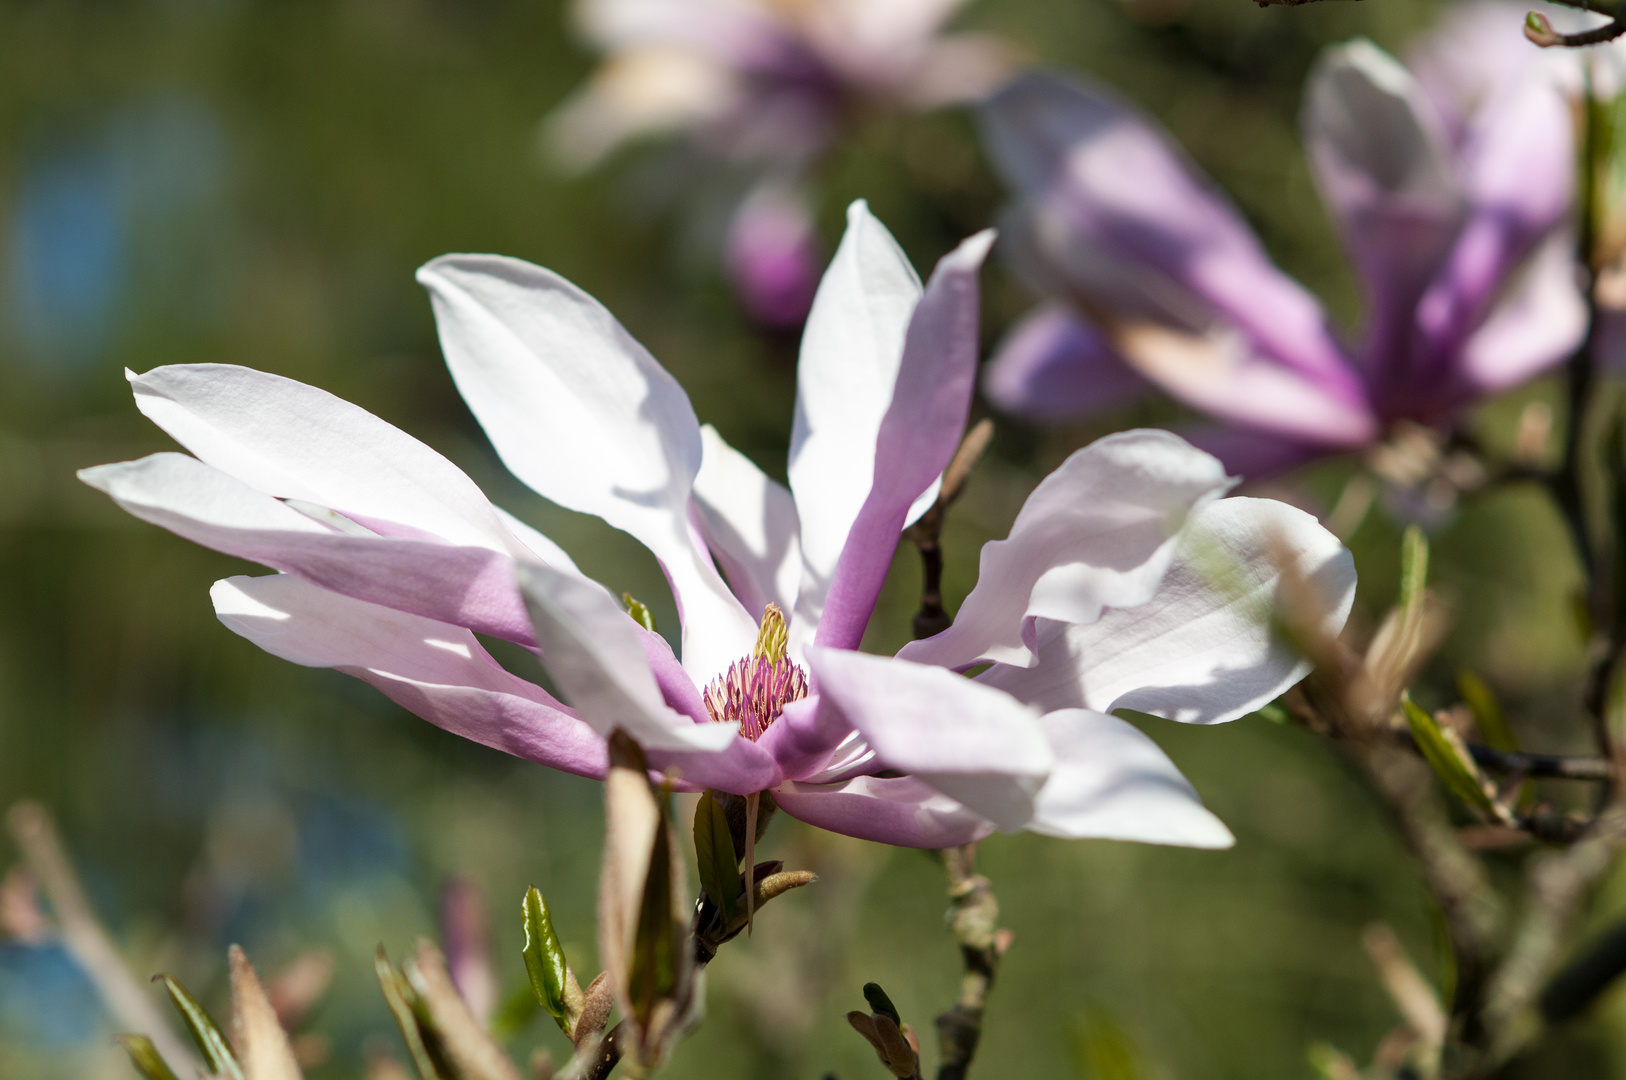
[933,618]
[609,1055]
[132,1007]
[1542,766]
[975,922]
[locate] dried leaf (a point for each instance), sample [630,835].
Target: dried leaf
[631,820]
[469,1048]
[216,1050]
[261,1044]
[396,996]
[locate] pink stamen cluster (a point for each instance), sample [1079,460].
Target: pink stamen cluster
[754,692]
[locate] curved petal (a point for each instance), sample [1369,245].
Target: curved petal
[1111,781]
[1137,231]
[918,435]
[1542,320]
[979,746]
[583,414]
[593,651]
[851,351]
[297,442]
[1096,533]
[1054,366]
[1381,158]
[805,736]
[750,524]
[1519,171]
[430,668]
[1202,650]
[901,811]
[466,586]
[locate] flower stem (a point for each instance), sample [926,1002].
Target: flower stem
[975,921]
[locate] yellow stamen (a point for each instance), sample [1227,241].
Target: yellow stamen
[772,636]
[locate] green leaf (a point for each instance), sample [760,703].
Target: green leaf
[655,961]
[1447,758]
[544,958]
[640,614]
[1274,713]
[1330,1063]
[879,1002]
[1105,1049]
[714,853]
[145,1057]
[216,1050]
[399,997]
[1488,716]
[1413,571]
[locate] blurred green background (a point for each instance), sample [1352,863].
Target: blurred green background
[254,181]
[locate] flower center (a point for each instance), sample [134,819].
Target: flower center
[756,689]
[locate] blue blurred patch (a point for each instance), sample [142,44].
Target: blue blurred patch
[45,999]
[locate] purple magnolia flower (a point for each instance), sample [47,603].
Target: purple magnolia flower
[768,87]
[1126,580]
[1451,188]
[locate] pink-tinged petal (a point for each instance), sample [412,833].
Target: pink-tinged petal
[1132,228]
[1054,366]
[1112,782]
[851,352]
[467,586]
[1519,171]
[805,736]
[917,437]
[1252,455]
[1098,532]
[593,651]
[579,411]
[297,442]
[430,668]
[1382,160]
[979,746]
[772,254]
[677,689]
[901,811]
[1202,650]
[750,525]
[1542,321]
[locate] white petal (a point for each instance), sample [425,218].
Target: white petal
[851,352]
[1111,781]
[1201,650]
[434,669]
[750,523]
[980,747]
[583,414]
[297,442]
[591,648]
[1096,533]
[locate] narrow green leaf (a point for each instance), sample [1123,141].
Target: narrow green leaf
[544,958]
[216,1050]
[655,961]
[1413,570]
[1444,757]
[406,1018]
[640,614]
[1488,716]
[145,1057]
[1105,1050]
[1330,1063]
[1274,713]
[879,1002]
[714,853]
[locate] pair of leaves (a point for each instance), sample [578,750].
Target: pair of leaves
[718,862]
[264,1052]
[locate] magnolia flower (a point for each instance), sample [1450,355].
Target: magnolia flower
[1125,582]
[767,86]
[1451,189]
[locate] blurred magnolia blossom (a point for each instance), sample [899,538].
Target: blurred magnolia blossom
[767,87]
[1126,581]
[1451,184]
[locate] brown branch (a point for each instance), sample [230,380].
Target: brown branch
[932,617]
[974,918]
